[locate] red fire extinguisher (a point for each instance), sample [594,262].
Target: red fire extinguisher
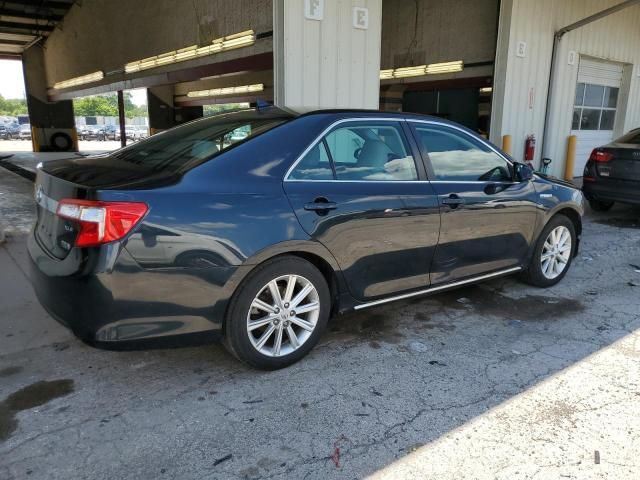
[529,148]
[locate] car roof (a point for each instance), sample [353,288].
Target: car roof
[354,113]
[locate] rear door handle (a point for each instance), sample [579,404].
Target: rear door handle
[453,200]
[320,204]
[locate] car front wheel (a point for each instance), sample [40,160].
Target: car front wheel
[278,314]
[553,253]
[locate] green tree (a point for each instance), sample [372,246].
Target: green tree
[99,105]
[214,109]
[13,106]
[107,105]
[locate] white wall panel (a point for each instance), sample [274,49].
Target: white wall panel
[521,84]
[326,63]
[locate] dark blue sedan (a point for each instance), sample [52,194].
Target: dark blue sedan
[256,226]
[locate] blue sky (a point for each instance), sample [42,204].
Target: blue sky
[11,80]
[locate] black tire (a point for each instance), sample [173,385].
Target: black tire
[236,336]
[534,275]
[60,142]
[600,205]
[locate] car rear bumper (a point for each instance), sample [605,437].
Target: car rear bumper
[612,190]
[105,297]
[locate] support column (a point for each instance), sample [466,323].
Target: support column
[52,123]
[122,119]
[163,113]
[327,54]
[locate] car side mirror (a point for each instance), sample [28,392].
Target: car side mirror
[522,172]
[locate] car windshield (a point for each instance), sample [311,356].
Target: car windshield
[199,140]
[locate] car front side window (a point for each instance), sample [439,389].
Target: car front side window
[456,156]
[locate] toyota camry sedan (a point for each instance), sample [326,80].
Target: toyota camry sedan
[256,226]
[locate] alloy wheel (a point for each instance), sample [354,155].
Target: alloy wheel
[283,315]
[556,252]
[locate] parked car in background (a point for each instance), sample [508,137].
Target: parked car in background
[612,173]
[12,130]
[82,131]
[95,132]
[111,132]
[192,234]
[25,131]
[143,131]
[131,132]
[4,132]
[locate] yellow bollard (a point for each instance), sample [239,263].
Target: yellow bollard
[571,157]
[74,139]
[506,144]
[35,141]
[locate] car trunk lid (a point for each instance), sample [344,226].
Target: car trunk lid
[83,179]
[622,162]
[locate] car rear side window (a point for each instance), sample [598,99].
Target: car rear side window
[359,151]
[195,142]
[456,156]
[315,165]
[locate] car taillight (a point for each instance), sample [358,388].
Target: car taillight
[600,156]
[101,222]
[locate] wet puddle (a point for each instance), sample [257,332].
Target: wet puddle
[368,325]
[28,397]
[527,308]
[376,328]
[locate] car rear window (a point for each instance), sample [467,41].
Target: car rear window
[197,141]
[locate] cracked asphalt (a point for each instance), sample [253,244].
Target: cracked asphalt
[495,381]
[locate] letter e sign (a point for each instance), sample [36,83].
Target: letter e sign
[361,18]
[314,9]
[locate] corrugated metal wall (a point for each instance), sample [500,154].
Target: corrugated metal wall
[521,83]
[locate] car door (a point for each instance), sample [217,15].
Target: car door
[487,219]
[359,191]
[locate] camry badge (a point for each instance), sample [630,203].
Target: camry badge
[39,194]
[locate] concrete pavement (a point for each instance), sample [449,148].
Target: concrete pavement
[496,381]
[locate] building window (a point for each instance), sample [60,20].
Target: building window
[594,107]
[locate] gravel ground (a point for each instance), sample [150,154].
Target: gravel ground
[495,381]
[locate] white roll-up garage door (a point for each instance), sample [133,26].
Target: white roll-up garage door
[595,107]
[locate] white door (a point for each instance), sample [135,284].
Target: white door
[594,110]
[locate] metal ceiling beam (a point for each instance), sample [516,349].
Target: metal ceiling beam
[21,43]
[18,37]
[32,14]
[44,4]
[15,27]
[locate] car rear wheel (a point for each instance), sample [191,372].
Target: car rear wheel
[553,253]
[278,314]
[600,205]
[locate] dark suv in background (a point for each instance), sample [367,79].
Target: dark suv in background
[612,173]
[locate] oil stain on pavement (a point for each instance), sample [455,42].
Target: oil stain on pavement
[527,308]
[32,396]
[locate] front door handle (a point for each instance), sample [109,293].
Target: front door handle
[320,205]
[453,201]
